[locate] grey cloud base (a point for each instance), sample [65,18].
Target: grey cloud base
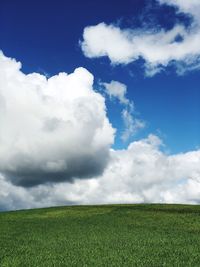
[141,173]
[52,130]
[86,166]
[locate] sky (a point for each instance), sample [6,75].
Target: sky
[99,102]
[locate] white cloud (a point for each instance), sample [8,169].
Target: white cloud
[157,47]
[117,90]
[186,6]
[132,124]
[56,130]
[140,173]
[107,40]
[51,129]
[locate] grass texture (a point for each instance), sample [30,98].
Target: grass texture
[109,235]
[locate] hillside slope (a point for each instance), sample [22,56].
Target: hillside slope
[110,235]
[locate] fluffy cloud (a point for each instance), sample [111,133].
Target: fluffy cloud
[157,47]
[143,173]
[51,129]
[56,130]
[107,40]
[140,173]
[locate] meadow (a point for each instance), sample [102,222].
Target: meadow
[107,235]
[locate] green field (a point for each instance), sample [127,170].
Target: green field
[110,235]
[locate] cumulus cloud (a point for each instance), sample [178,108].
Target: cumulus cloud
[51,129]
[158,47]
[56,130]
[132,124]
[107,40]
[141,173]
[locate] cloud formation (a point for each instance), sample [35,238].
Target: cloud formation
[158,47]
[51,129]
[117,90]
[140,173]
[132,124]
[186,6]
[56,130]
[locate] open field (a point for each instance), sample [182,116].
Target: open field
[110,235]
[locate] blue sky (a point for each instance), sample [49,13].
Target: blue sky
[131,135]
[45,38]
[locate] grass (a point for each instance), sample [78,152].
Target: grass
[110,235]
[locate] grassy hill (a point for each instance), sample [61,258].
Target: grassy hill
[110,235]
